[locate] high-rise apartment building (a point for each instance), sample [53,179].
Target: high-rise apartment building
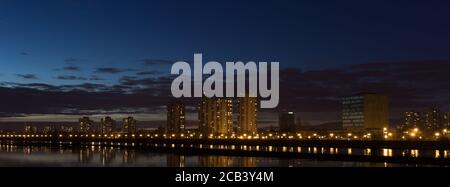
[215,115]
[411,120]
[86,125]
[432,119]
[129,125]
[365,112]
[247,115]
[176,117]
[107,125]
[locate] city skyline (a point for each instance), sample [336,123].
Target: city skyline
[420,138]
[363,115]
[193,121]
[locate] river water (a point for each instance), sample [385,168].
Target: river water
[104,156]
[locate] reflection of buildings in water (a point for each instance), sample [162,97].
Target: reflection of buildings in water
[441,154]
[107,155]
[27,150]
[13,148]
[362,164]
[387,152]
[215,161]
[410,153]
[8,148]
[40,149]
[367,152]
[85,155]
[129,156]
[175,160]
[247,161]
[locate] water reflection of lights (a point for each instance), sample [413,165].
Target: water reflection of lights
[387,152]
[437,154]
[367,152]
[440,154]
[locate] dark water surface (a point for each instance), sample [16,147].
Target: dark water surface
[111,156]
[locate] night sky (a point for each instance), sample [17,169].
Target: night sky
[63,58]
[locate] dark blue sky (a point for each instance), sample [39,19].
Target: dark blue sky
[114,46]
[303,34]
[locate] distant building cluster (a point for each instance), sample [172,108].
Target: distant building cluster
[107,125]
[429,120]
[86,126]
[30,129]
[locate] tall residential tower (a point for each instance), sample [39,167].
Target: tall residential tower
[215,115]
[107,125]
[176,117]
[247,115]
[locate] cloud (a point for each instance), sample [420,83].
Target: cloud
[86,87]
[27,76]
[151,62]
[315,94]
[95,78]
[33,86]
[111,70]
[409,85]
[70,77]
[148,73]
[26,99]
[134,81]
[72,68]
[71,60]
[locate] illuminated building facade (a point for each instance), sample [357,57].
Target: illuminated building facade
[411,120]
[86,125]
[50,129]
[365,112]
[432,119]
[446,120]
[129,125]
[176,117]
[215,115]
[67,129]
[30,129]
[107,125]
[248,108]
[429,121]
